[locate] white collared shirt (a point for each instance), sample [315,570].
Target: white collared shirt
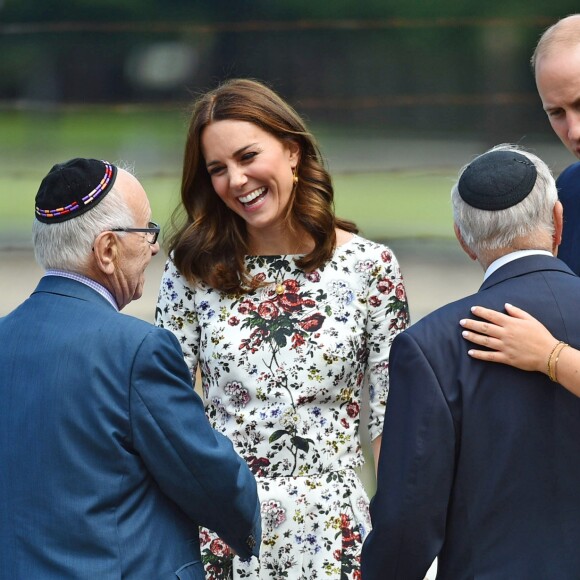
[88,282]
[496,264]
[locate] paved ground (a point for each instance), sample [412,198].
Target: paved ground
[435,272]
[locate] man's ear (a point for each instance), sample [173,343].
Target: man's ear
[558,213]
[105,251]
[462,243]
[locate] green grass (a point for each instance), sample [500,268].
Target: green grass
[33,141]
[384,204]
[396,205]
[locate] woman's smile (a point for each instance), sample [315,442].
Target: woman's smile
[253,198]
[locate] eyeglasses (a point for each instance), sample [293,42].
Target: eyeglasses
[151,231]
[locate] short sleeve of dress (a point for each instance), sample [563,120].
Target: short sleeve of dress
[176,312]
[388,316]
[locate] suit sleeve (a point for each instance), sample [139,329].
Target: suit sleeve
[193,464]
[415,473]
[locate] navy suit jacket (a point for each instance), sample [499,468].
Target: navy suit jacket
[568,185]
[107,461]
[480,462]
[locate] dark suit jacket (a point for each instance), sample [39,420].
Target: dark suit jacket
[107,461]
[480,462]
[568,185]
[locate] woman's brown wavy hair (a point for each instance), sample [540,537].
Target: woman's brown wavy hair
[208,241]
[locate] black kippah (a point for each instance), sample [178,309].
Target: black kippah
[497,180]
[72,188]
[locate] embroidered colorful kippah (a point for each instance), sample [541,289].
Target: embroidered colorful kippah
[497,180]
[72,188]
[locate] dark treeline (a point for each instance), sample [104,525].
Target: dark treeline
[404,66]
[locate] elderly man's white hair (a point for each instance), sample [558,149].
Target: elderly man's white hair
[528,224]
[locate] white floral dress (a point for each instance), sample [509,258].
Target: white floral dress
[283,369]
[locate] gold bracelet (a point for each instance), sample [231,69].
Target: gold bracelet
[563,346]
[559,345]
[550,358]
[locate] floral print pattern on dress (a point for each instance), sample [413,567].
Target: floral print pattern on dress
[283,371]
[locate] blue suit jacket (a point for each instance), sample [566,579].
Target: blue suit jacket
[569,193]
[480,462]
[107,461]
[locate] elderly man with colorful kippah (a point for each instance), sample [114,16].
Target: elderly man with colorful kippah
[108,464]
[479,463]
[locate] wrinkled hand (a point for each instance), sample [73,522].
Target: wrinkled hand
[518,340]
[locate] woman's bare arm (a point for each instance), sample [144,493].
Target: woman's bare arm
[376,448]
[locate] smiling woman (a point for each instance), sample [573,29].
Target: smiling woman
[253,173]
[289,315]
[214,240]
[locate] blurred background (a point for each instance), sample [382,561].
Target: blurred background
[399,95]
